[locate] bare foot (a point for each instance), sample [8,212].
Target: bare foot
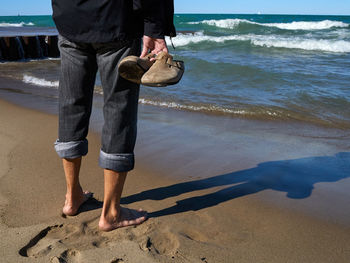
[71,206]
[127,217]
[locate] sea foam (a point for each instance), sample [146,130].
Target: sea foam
[16,24]
[223,23]
[39,82]
[325,24]
[207,108]
[249,112]
[302,25]
[338,46]
[197,37]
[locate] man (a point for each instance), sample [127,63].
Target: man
[96,35]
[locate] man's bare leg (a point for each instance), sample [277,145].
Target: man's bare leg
[113,215]
[75,196]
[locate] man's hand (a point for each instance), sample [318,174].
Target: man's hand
[154,45]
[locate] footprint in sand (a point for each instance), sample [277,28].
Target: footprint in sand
[165,243]
[68,256]
[117,260]
[63,243]
[40,246]
[153,237]
[194,235]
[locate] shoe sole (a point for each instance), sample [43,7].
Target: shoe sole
[131,71]
[161,84]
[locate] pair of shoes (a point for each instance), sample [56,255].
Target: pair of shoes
[160,72]
[133,68]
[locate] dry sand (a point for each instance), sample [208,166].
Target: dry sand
[187,224]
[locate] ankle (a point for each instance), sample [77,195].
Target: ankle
[74,190]
[107,221]
[110,213]
[74,195]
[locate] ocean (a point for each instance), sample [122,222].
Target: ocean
[283,68]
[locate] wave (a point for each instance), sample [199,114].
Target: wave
[16,24]
[208,108]
[197,37]
[40,82]
[257,112]
[302,25]
[167,104]
[173,105]
[251,112]
[325,24]
[337,46]
[223,23]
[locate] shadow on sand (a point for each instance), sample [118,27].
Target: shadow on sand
[295,177]
[89,205]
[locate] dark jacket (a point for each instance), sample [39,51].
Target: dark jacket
[99,21]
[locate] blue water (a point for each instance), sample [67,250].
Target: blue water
[276,67]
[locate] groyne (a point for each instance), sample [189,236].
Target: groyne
[14,48]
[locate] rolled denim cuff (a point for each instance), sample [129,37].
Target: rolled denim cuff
[122,162]
[71,150]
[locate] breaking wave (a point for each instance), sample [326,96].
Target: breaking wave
[39,82]
[270,41]
[16,24]
[325,24]
[302,25]
[337,46]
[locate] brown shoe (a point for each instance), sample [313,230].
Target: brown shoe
[165,71]
[132,68]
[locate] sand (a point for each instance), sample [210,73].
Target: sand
[192,219]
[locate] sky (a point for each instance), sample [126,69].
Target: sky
[327,7]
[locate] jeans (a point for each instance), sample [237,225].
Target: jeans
[79,65]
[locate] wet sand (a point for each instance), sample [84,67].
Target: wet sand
[242,192]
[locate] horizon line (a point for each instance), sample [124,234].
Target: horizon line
[197,13]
